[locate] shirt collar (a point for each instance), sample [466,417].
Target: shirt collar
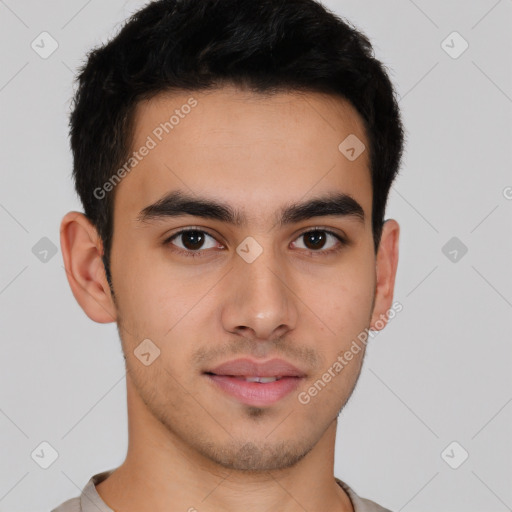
[90,500]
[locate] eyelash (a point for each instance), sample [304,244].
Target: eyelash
[199,252]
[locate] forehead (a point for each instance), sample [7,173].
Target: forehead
[252,151]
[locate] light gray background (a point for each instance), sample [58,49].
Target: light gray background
[440,371]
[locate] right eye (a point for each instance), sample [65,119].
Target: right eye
[192,242]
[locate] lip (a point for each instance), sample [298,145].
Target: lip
[248,367]
[228,377]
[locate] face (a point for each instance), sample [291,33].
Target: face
[250,279]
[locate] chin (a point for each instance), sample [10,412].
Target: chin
[251,457]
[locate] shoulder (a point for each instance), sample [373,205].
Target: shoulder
[89,492]
[72,505]
[360,504]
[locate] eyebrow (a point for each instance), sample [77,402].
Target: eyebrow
[179,203]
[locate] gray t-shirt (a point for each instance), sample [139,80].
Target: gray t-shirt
[90,500]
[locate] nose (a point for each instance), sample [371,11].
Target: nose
[260,303]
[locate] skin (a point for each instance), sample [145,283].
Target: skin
[190,445]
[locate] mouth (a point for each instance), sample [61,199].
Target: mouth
[256,384]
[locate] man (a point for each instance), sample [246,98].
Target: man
[234,159]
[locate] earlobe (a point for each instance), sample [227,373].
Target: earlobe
[386,266]
[82,250]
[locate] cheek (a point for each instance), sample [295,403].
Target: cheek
[141,289]
[153,296]
[342,299]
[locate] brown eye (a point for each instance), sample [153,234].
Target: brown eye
[315,240]
[320,240]
[191,240]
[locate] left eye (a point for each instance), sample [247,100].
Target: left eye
[316,240]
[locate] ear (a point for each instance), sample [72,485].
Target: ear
[386,265]
[82,249]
